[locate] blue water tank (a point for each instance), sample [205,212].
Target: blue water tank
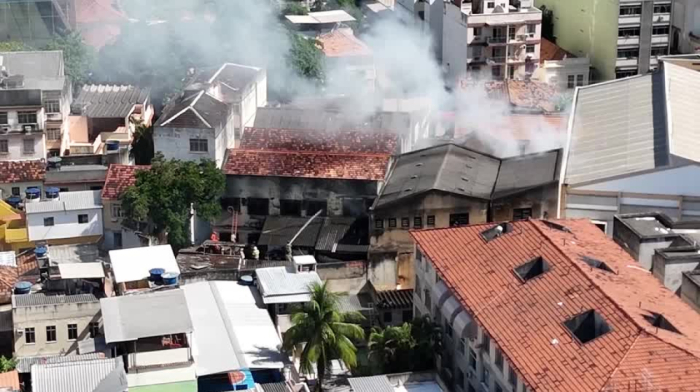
[156,275]
[246,280]
[52,193]
[23,287]
[32,193]
[112,145]
[41,251]
[170,278]
[14,201]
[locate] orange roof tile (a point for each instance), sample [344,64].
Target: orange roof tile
[119,177]
[27,269]
[549,51]
[21,171]
[342,43]
[525,319]
[319,141]
[10,380]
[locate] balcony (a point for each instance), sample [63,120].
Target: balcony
[662,18]
[496,60]
[496,40]
[659,39]
[54,117]
[629,20]
[632,40]
[27,128]
[516,60]
[627,62]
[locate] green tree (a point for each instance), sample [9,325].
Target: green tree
[13,46]
[159,203]
[392,348]
[142,147]
[428,337]
[77,57]
[295,9]
[323,333]
[7,364]
[306,58]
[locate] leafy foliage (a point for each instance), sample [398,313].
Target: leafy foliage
[78,58]
[160,201]
[7,364]
[13,46]
[325,333]
[306,58]
[409,347]
[295,9]
[142,147]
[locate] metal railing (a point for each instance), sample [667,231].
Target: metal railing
[496,40]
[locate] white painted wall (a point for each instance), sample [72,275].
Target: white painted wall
[65,225]
[6,189]
[678,181]
[16,150]
[175,142]
[557,73]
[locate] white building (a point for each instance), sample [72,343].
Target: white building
[211,114]
[492,36]
[561,68]
[686,26]
[75,216]
[131,266]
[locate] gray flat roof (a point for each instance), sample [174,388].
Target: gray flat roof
[370,384]
[282,284]
[42,70]
[24,300]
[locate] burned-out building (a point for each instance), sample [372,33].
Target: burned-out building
[450,185]
[293,173]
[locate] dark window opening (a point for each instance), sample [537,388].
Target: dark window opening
[405,223]
[258,206]
[392,223]
[313,206]
[94,330]
[72,331]
[15,191]
[587,326]
[354,207]
[496,231]
[29,336]
[431,221]
[662,9]
[82,218]
[522,213]
[388,317]
[625,74]
[631,10]
[532,269]
[661,51]
[407,316]
[51,333]
[290,207]
[117,236]
[659,321]
[233,202]
[418,222]
[379,223]
[628,53]
[459,219]
[48,221]
[597,264]
[660,30]
[628,32]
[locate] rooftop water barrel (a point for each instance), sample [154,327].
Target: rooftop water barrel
[156,275]
[52,193]
[14,201]
[32,195]
[23,287]
[112,146]
[54,163]
[170,278]
[41,251]
[246,280]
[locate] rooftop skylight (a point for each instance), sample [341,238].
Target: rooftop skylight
[496,231]
[659,321]
[595,263]
[587,326]
[532,269]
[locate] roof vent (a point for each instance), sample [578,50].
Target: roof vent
[659,321]
[465,179]
[556,226]
[532,269]
[595,263]
[419,164]
[496,231]
[408,189]
[587,326]
[413,177]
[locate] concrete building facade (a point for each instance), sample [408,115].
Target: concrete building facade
[74,216]
[685,37]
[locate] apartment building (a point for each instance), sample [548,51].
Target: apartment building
[685,28]
[621,37]
[499,38]
[544,305]
[64,217]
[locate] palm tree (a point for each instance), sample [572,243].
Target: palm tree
[324,332]
[393,348]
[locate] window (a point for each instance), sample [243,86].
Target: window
[354,207]
[199,145]
[94,330]
[532,269]
[431,220]
[472,359]
[498,360]
[51,333]
[477,31]
[660,30]
[491,4]
[117,238]
[459,219]
[407,316]
[579,80]
[460,377]
[660,51]
[486,343]
[53,133]
[26,117]
[405,223]
[290,207]
[392,223]
[530,49]
[52,106]
[587,326]
[312,207]
[659,321]
[512,378]
[379,223]
[428,304]
[258,206]
[476,52]
[511,33]
[602,225]
[48,221]
[72,331]
[662,8]
[3,118]
[388,317]
[116,210]
[485,375]
[418,222]
[496,71]
[625,73]
[15,191]
[630,10]
[82,218]
[462,346]
[28,146]
[29,336]
[571,81]
[448,329]
[531,29]
[629,53]
[626,32]
[521,213]
[4,147]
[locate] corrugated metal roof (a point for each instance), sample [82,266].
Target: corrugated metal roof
[526,172]
[232,330]
[353,302]
[40,299]
[68,201]
[393,299]
[332,231]
[279,230]
[190,110]
[42,70]
[370,384]
[24,364]
[81,270]
[8,259]
[277,284]
[134,264]
[683,95]
[84,376]
[80,253]
[136,316]
[619,127]
[274,387]
[102,101]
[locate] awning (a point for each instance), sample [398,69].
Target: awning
[460,324]
[450,308]
[81,271]
[439,293]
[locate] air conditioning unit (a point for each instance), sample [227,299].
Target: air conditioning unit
[28,128]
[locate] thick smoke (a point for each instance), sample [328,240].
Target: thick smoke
[162,41]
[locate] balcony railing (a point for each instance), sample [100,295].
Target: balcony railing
[496,59]
[19,128]
[54,116]
[496,40]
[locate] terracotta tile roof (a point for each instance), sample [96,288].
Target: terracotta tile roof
[549,51]
[26,270]
[21,171]
[10,380]
[327,141]
[119,177]
[342,43]
[306,164]
[532,95]
[526,319]
[98,21]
